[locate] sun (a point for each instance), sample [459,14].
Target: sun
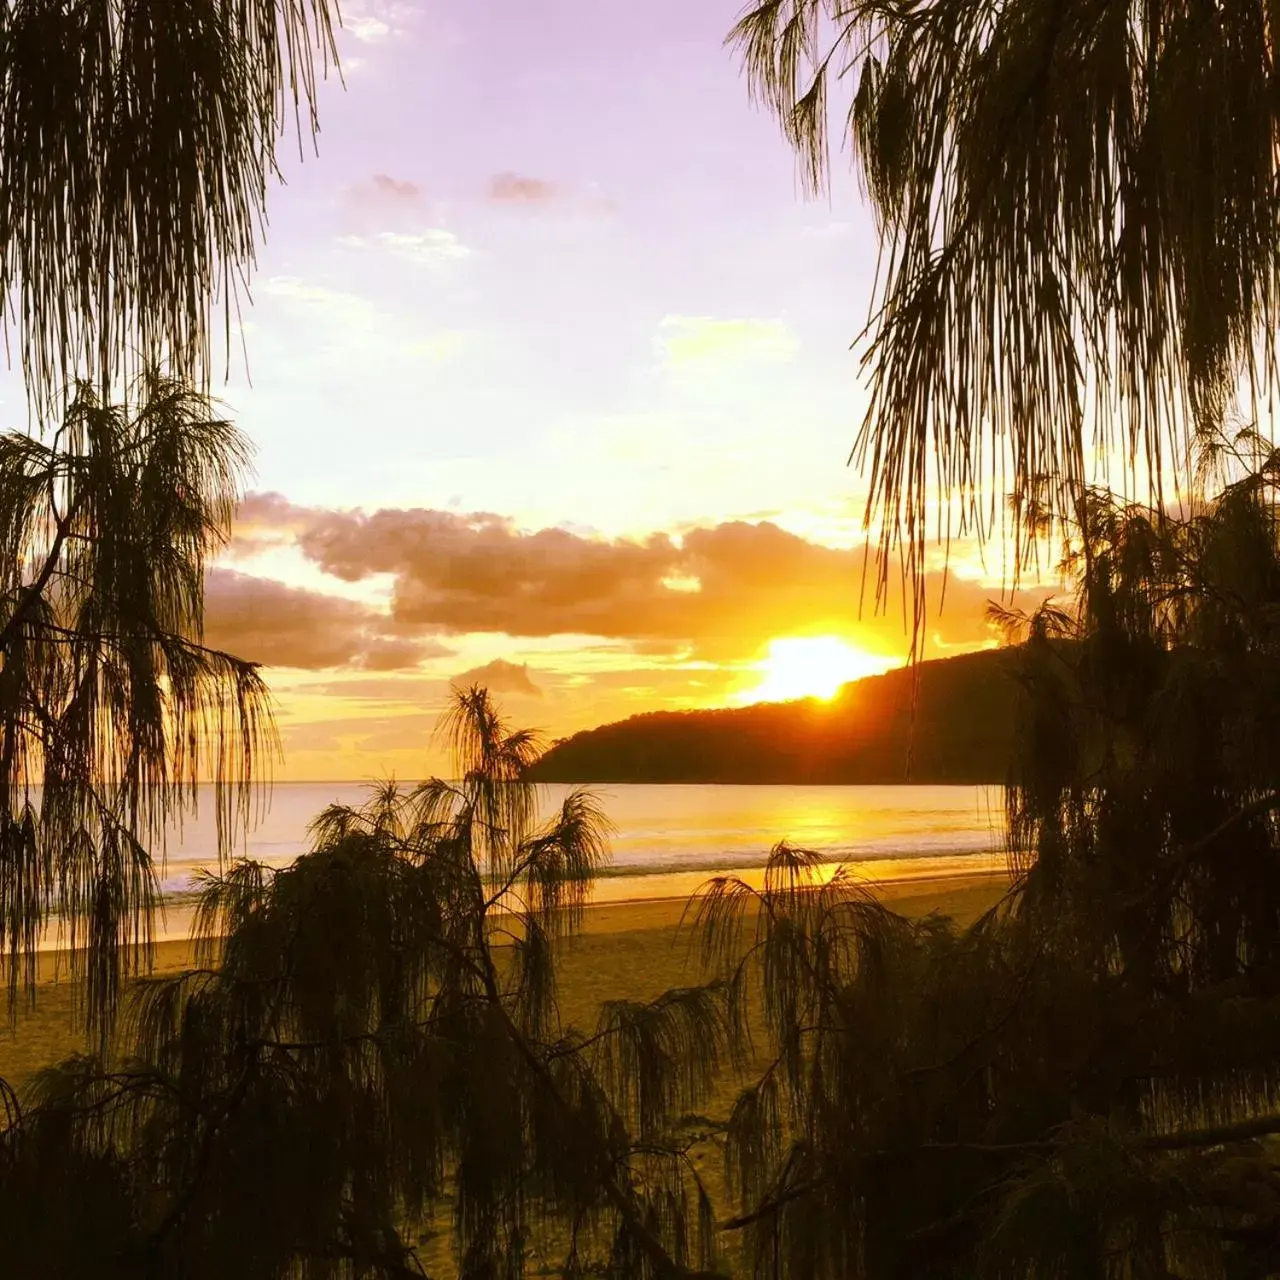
[813,667]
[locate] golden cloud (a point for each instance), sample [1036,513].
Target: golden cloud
[276,625]
[501,676]
[721,591]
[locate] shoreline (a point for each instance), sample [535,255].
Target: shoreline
[941,881]
[891,888]
[891,882]
[618,886]
[624,949]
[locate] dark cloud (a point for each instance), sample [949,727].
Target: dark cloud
[398,653]
[514,188]
[479,573]
[500,676]
[281,626]
[720,590]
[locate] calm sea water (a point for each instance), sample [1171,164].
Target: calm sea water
[669,839]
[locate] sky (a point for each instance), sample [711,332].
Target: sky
[549,375]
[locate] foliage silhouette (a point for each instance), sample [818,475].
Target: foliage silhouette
[950,719]
[1077,205]
[136,142]
[111,708]
[1084,1083]
[374,1027]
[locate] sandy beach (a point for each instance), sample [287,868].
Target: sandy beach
[626,950]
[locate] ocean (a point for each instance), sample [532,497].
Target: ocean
[667,840]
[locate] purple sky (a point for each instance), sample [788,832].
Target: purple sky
[508,353]
[550,264]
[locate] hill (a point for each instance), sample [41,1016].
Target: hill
[962,733]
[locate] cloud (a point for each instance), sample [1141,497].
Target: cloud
[719,591]
[366,28]
[270,510]
[501,676]
[395,188]
[268,622]
[265,520]
[346,327]
[383,192]
[383,202]
[684,341]
[373,21]
[295,289]
[380,199]
[518,189]
[515,188]
[434,247]
[400,653]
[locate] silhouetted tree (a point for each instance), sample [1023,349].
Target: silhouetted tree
[1084,1083]
[375,1030]
[112,710]
[1077,204]
[136,142]
[137,138]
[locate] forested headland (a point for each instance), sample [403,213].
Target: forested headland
[948,721]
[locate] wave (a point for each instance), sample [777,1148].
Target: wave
[180,885]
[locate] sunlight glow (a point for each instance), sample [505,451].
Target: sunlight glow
[813,667]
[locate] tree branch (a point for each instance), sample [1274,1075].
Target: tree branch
[773,1205]
[33,592]
[1267,803]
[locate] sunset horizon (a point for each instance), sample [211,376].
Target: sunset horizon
[561,400]
[749,541]
[365,622]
